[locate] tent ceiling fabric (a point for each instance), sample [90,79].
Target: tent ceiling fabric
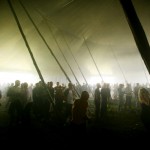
[97,25]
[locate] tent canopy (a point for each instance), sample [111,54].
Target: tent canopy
[78,31]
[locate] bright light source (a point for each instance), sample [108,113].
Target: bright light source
[96,79]
[10,77]
[109,79]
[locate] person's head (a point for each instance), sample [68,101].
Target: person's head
[25,85]
[57,83]
[98,85]
[85,95]
[51,83]
[128,85]
[144,96]
[17,83]
[104,85]
[70,85]
[121,85]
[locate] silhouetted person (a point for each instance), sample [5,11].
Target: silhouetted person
[36,100]
[52,91]
[121,96]
[136,89]
[16,107]
[41,104]
[128,92]
[105,95]
[69,96]
[25,103]
[97,97]
[144,99]
[79,114]
[0,96]
[59,99]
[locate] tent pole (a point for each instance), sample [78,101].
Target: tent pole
[69,48]
[93,59]
[50,50]
[119,65]
[63,55]
[144,71]
[137,31]
[70,52]
[44,41]
[75,59]
[29,50]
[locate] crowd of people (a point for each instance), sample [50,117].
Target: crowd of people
[69,104]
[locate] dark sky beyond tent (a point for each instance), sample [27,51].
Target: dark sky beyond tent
[78,26]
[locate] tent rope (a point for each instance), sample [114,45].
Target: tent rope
[93,59]
[119,65]
[63,55]
[29,50]
[70,53]
[137,31]
[69,48]
[50,50]
[144,71]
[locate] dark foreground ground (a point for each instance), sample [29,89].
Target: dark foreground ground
[118,129]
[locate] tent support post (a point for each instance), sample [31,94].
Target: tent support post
[93,60]
[50,50]
[137,31]
[30,52]
[119,65]
[69,48]
[62,54]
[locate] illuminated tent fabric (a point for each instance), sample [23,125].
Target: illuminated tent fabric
[101,23]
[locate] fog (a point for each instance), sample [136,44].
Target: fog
[78,31]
